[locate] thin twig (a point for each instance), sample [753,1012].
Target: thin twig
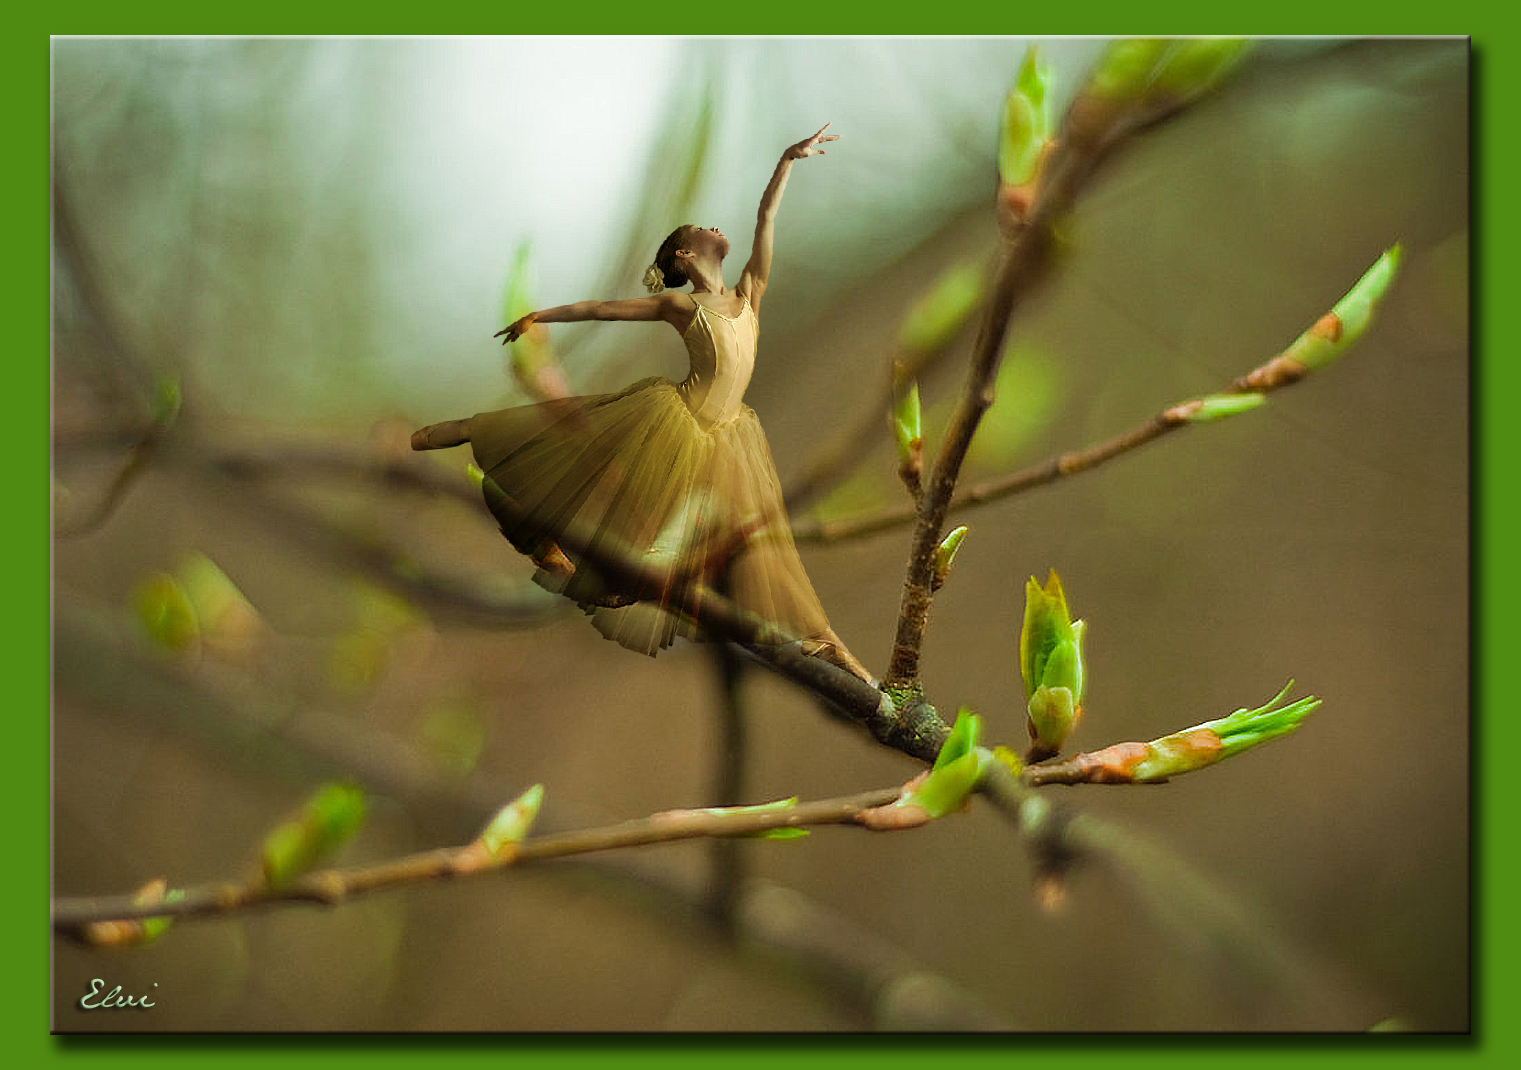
[838,462]
[1025,262]
[332,886]
[126,369]
[1274,373]
[344,463]
[1018,270]
[135,464]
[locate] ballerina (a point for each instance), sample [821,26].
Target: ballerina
[679,471]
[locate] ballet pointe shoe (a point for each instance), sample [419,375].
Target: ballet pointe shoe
[442,436]
[834,652]
[552,559]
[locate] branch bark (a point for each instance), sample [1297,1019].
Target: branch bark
[332,886]
[1025,262]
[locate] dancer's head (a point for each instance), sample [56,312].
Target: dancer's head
[687,246]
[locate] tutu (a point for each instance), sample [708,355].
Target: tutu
[680,472]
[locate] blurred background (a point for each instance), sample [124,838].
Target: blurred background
[273,259]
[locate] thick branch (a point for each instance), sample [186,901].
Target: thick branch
[916,729]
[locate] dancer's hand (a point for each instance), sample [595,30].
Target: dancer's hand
[808,146]
[515,332]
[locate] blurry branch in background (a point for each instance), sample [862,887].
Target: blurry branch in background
[1327,339]
[462,598]
[265,734]
[666,198]
[123,379]
[926,336]
[682,147]
[344,464]
[726,861]
[263,470]
[139,454]
[533,361]
[854,963]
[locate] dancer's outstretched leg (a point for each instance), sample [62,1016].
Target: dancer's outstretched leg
[442,436]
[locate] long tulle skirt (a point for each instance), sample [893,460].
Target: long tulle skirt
[635,470]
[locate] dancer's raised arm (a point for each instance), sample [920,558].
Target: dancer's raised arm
[664,306]
[752,283]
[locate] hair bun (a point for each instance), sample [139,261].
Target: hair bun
[654,279]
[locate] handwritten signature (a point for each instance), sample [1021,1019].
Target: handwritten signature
[113,998]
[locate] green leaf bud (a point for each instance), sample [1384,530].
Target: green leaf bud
[775,806]
[1219,406]
[962,738]
[1050,643]
[324,823]
[1192,67]
[1127,68]
[1334,332]
[1052,714]
[945,554]
[165,611]
[959,768]
[511,824]
[1008,759]
[906,424]
[947,788]
[1207,743]
[1026,121]
[167,400]
[935,318]
[785,832]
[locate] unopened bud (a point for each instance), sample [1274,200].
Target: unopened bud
[1051,662]
[945,555]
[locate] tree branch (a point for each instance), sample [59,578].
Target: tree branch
[838,462]
[767,922]
[1278,371]
[1057,836]
[329,887]
[1025,262]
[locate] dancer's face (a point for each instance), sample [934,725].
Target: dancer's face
[710,241]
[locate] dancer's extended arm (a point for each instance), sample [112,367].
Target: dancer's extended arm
[666,306]
[752,283]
